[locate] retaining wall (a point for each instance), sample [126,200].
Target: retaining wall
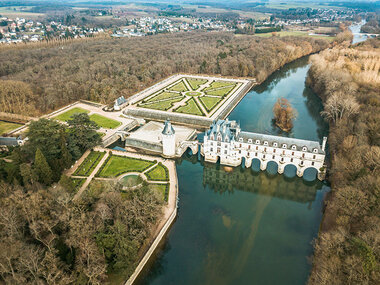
[143,144]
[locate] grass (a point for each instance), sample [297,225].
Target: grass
[104,122]
[163,189]
[162,96]
[6,127]
[220,92]
[77,182]
[296,34]
[209,102]
[158,173]
[67,115]
[117,165]
[191,108]
[219,84]
[163,105]
[193,93]
[180,87]
[89,164]
[195,83]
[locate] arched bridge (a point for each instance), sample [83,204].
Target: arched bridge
[225,142]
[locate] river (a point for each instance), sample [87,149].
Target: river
[355,29]
[247,226]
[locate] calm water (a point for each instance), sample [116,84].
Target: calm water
[355,29]
[247,227]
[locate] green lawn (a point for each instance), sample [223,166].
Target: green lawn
[161,96]
[195,83]
[180,87]
[191,107]
[67,115]
[6,127]
[158,173]
[210,102]
[220,92]
[219,84]
[163,105]
[163,189]
[89,164]
[104,122]
[77,182]
[193,93]
[117,165]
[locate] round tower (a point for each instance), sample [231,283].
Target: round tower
[168,139]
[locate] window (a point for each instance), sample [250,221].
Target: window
[312,163]
[274,144]
[274,151]
[257,148]
[282,159]
[240,139]
[283,152]
[249,146]
[314,156]
[211,149]
[292,152]
[304,148]
[250,141]
[239,151]
[255,153]
[303,155]
[257,142]
[264,156]
[315,150]
[239,145]
[219,144]
[291,160]
[294,147]
[265,149]
[225,152]
[284,146]
[265,143]
[273,157]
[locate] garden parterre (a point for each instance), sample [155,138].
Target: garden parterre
[199,96]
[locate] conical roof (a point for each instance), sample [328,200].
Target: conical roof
[168,128]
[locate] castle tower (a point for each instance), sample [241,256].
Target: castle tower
[168,139]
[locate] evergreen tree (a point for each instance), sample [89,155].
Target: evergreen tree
[66,158]
[42,168]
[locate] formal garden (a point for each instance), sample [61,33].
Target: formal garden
[89,164]
[193,96]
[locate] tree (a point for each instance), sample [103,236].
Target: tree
[82,134]
[284,114]
[340,105]
[66,157]
[42,168]
[46,135]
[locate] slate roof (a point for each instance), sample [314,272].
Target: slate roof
[9,141]
[168,128]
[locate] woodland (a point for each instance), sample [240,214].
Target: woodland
[347,79]
[38,79]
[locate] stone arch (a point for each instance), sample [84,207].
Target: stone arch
[290,170]
[272,167]
[189,151]
[310,173]
[256,163]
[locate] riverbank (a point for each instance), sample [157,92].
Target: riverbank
[347,250]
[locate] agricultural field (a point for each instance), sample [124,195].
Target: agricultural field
[190,95]
[6,127]
[64,117]
[296,34]
[89,164]
[117,165]
[104,122]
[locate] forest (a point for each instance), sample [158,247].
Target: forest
[38,79]
[47,237]
[347,79]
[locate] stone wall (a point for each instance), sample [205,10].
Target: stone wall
[143,144]
[182,119]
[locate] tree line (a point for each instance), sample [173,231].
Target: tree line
[37,80]
[347,79]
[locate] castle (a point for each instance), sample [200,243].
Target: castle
[225,141]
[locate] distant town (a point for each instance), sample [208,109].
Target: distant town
[22,30]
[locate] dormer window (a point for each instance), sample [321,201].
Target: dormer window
[250,141]
[274,144]
[294,147]
[304,148]
[240,139]
[265,143]
[219,138]
[257,142]
[315,150]
[284,145]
